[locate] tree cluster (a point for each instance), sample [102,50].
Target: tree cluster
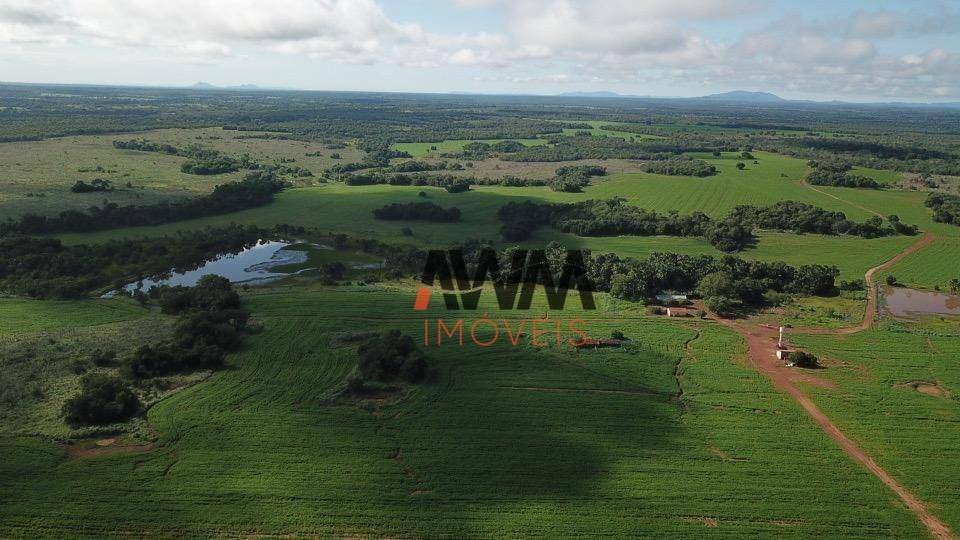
[388,356]
[836,173]
[422,211]
[45,268]
[615,217]
[97,184]
[681,166]
[946,208]
[257,189]
[211,324]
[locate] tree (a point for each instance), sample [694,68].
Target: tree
[721,305]
[389,355]
[955,285]
[741,165]
[717,284]
[103,399]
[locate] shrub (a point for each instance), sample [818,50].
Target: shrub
[804,359]
[721,305]
[391,354]
[853,285]
[103,399]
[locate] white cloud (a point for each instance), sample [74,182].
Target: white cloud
[541,41]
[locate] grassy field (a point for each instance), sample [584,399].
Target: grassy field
[336,207]
[40,345]
[674,436]
[450,146]
[36,176]
[933,266]
[912,434]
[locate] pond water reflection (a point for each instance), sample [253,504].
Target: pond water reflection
[903,302]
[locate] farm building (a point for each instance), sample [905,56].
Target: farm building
[664,298]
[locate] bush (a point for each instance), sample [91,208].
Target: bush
[389,355]
[721,305]
[103,399]
[98,184]
[853,285]
[804,359]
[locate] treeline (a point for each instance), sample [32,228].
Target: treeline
[681,166]
[614,217]
[725,282]
[46,268]
[257,189]
[836,173]
[422,211]
[946,208]
[201,161]
[479,151]
[449,182]
[210,324]
[587,146]
[569,178]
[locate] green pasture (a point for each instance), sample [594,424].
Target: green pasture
[339,208]
[913,435]
[36,176]
[675,435]
[418,149]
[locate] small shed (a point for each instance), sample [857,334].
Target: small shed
[664,298]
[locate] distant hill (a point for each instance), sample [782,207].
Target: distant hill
[202,85]
[744,96]
[593,94]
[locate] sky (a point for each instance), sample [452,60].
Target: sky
[850,50]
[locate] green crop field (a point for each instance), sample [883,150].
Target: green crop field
[501,442]
[905,429]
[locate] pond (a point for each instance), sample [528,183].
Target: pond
[903,302]
[251,266]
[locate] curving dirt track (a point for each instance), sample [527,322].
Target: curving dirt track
[872,291]
[762,344]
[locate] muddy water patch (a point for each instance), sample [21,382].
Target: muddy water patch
[904,302]
[928,388]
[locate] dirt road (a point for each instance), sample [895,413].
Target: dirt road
[762,344]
